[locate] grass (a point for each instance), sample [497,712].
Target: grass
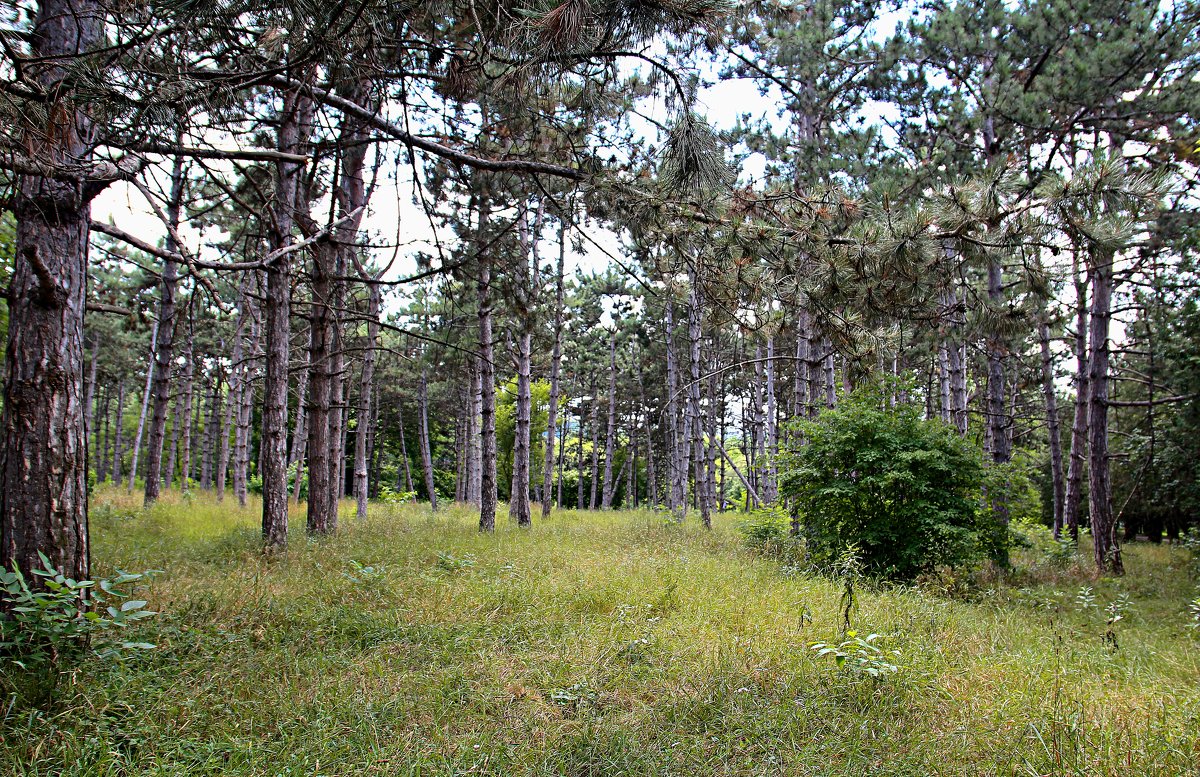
[600,644]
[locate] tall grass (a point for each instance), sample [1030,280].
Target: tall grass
[598,644]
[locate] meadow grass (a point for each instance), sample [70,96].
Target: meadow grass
[600,644]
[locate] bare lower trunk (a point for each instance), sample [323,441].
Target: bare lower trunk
[141,427]
[1056,460]
[695,303]
[555,370]
[997,413]
[518,504]
[1104,526]
[118,454]
[487,414]
[610,435]
[405,471]
[43,445]
[366,409]
[770,492]
[189,386]
[164,353]
[1076,462]
[294,120]
[423,440]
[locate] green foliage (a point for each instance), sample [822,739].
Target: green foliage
[902,490]
[391,496]
[57,622]
[767,529]
[859,655]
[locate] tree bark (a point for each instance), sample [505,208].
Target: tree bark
[141,427]
[185,459]
[487,377]
[695,302]
[555,370]
[43,447]
[1104,527]
[294,122]
[1073,498]
[164,353]
[366,409]
[610,433]
[1056,461]
[423,439]
[518,502]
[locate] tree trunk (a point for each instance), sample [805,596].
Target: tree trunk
[518,503]
[423,439]
[487,379]
[366,409]
[770,492]
[43,447]
[610,434]
[1104,526]
[294,119]
[1073,498]
[118,454]
[164,353]
[594,423]
[141,427]
[185,463]
[405,469]
[695,302]
[1056,462]
[997,413]
[555,370]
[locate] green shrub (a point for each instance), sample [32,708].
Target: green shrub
[56,624]
[902,490]
[767,529]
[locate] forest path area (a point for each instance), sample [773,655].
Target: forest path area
[604,644]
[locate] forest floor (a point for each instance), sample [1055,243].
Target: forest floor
[602,644]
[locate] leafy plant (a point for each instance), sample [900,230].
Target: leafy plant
[60,620]
[902,489]
[448,562]
[860,655]
[766,529]
[391,496]
[1194,609]
[364,575]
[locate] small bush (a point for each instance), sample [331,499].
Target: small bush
[903,490]
[767,529]
[57,623]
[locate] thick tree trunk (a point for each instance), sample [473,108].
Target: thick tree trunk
[366,410]
[1100,509]
[141,427]
[610,434]
[475,438]
[555,371]
[164,353]
[43,445]
[1073,498]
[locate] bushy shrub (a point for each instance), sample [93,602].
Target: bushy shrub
[766,529]
[904,491]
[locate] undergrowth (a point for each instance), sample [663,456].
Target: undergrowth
[603,644]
